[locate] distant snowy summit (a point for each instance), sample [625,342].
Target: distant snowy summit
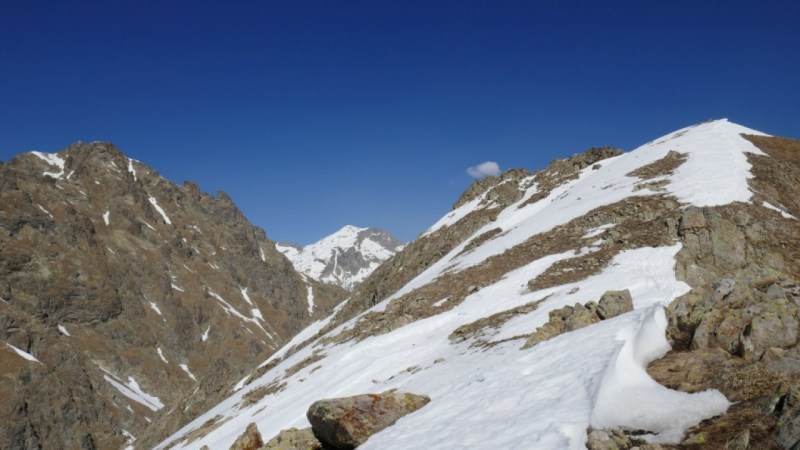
[345,258]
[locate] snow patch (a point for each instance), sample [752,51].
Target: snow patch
[132,390]
[782,211]
[145,222]
[185,368]
[63,330]
[597,231]
[106,217]
[310,299]
[204,337]
[44,210]
[160,211]
[161,355]
[245,296]
[54,160]
[131,169]
[23,354]
[155,308]
[229,309]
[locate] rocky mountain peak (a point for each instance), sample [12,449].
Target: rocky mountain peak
[346,257]
[129,293]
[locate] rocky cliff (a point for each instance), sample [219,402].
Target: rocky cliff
[544,310]
[129,304]
[344,258]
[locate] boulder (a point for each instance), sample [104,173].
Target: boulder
[249,440]
[614,303]
[294,439]
[346,423]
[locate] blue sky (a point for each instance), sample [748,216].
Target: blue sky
[317,114]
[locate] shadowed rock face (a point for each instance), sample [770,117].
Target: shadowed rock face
[111,275]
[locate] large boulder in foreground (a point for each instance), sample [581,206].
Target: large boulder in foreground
[346,423]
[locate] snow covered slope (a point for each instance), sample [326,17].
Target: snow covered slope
[344,258]
[456,331]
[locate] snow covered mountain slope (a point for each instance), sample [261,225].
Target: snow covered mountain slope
[503,330]
[344,258]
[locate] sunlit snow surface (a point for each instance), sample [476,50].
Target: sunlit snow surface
[543,397]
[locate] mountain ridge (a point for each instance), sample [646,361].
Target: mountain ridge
[447,317]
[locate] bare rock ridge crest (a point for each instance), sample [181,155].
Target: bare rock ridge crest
[129,304]
[581,305]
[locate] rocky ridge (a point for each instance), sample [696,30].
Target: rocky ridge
[345,258]
[670,222]
[137,300]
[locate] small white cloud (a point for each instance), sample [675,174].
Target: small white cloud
[485,169]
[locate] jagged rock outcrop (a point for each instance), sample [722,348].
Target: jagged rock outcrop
[344,258]
[346,423]
[132,293]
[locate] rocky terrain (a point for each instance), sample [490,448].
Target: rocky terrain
[640,300]
[344,258]
[129,304]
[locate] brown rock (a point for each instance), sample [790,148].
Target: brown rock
[249,440]
[346,423]
[294,439]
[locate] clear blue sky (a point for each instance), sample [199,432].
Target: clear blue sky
[317,114]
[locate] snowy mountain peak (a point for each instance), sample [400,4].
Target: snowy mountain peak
[345,258]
